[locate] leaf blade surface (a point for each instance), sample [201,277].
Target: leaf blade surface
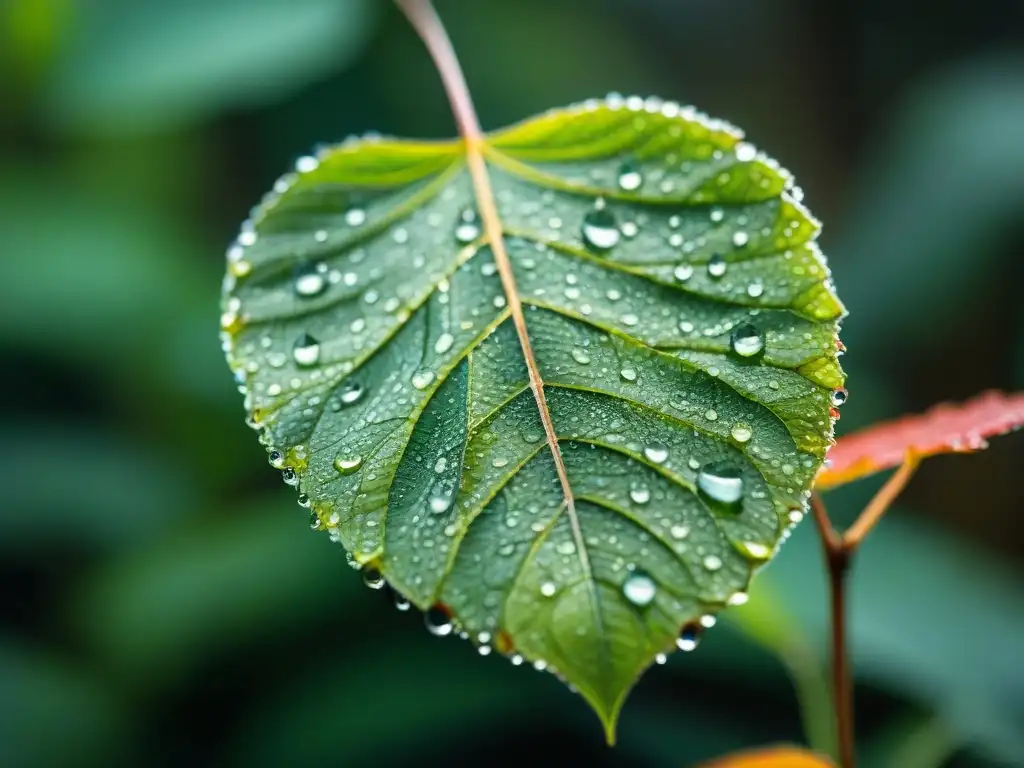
[679,320]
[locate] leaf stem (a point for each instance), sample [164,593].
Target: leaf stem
[428,26]
[839,550]
[880,503]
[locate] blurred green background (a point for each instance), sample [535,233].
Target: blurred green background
[162,601]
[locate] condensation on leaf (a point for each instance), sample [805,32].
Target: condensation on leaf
[681,317]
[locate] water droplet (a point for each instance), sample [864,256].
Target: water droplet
[717,214]
[516,659]
[580,356]
[679,532]
[688,638]
[838,397]
[438,621]
[565,548]
[639,589]
[308,281]
[711,414]
[373,578]
[656,453]
[483,650]
[350,393]
[346,465]
[600,230]
[440,503]
[276,459]
[754,550]
[444,343]
[708,621]
[712,562]
[737,598]
[746,341]
[716,266]
[660,658]
[754,290]
[741,432]
[289,476]
[468,228]
[422,379]
[306,351]
[683,272]
[548,589]
[629,177]
[640,495]
[304,500]
[720,486]
[740,239]
[354,217]
[628,374]
[400,600]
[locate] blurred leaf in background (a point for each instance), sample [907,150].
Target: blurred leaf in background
[162,602]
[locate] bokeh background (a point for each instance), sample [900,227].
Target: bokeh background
[162,601]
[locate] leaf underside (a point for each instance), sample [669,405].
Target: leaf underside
[944,428]
[683,322]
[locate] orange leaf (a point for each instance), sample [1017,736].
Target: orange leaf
[944,428]
[771,757]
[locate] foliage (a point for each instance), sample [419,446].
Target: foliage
[678,313]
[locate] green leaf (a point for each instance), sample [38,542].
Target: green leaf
[670,298]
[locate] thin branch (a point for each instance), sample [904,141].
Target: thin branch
[839,550]
[830,538]
[881,502]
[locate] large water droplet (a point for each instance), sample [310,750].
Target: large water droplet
[630,178]
[689,637]
[683,272]
[438,621]
[741,432]
[640,495]
[355,217]
[746,341]
[373,578]
[580,355]
[720,485]
[308,280]
[444,343]
[422,379]
[656,453]
[838,397]
[346,465]
[716,266]
[468,227]
[306,351]
[600,230]
[440,503]
[351,393]
[548,589]
[639,589]
[740,239]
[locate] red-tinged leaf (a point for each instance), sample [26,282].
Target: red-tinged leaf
[945,428]
[771,757]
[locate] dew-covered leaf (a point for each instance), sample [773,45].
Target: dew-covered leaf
[772,757]
[576,444]
[944,428]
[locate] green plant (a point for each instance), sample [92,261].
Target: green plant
[575,449]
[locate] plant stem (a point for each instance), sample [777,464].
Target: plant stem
[880,503]
[837,563]
[839,550]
